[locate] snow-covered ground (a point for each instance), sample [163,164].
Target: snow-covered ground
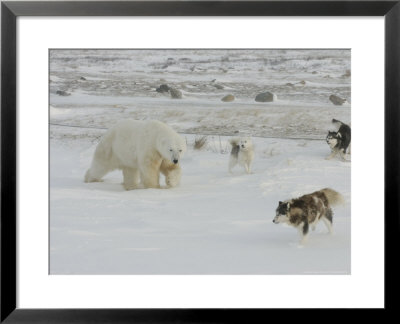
[214,223]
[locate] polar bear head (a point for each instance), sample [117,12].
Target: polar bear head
[172,149]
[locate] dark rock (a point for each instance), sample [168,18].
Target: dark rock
[63,93]
[336,100]
[347,74]
[218,86]
[265,97]
[82,78]
[228,98]
[163,88]
[175,93]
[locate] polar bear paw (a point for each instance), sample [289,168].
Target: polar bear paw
[89,178]
[130,186]
[173,178]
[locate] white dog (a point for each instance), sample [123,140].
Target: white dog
[242,153]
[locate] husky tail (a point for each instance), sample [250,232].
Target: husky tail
[337,122]
[234,141]
[334,198]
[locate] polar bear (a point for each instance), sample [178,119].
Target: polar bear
[141,149]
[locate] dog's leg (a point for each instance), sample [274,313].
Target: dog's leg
[250,166]
[247,167]
[348,153]
[304,233]
[328,225]
[332,155]
[328,220]
[232,163]
[342,155]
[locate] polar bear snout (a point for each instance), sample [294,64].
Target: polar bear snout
[175,155]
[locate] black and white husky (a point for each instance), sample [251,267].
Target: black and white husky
[339,141]
[242,153]
[308,210]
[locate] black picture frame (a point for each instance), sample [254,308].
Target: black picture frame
[9,13]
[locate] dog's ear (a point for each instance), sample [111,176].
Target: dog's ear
[280,203]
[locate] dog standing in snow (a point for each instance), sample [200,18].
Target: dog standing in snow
[339,141]
[242,153]
[308,210]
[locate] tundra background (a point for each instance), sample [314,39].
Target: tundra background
[213,223]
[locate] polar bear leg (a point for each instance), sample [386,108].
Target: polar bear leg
[232,163]
[131,178]
[102,162]
[172,173]
[150,177]
[96,171]
[173,177]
